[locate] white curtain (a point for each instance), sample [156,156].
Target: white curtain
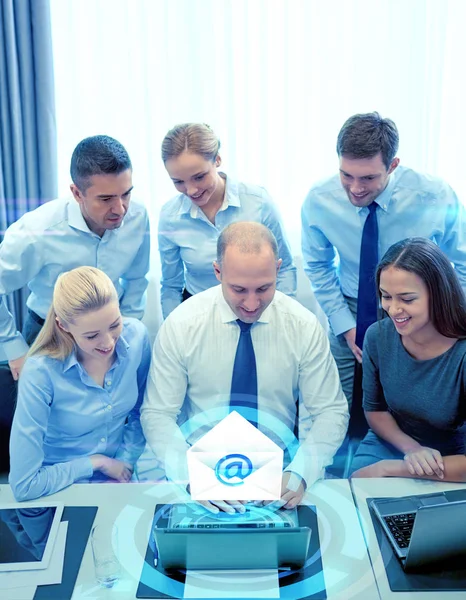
[276,79]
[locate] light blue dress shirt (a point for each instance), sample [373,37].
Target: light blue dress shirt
[63,417]
[411,205]
[55,238]
[188,240]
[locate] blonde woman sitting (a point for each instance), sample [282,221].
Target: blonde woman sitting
[79,395]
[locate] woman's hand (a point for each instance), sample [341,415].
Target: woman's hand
[378,469]
[113,468]
[425,461]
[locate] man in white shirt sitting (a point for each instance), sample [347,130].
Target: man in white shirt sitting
[195,364]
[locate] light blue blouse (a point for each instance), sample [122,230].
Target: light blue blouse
[63,416]
[188,240]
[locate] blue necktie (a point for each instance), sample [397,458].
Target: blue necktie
[244,378]
[367,294]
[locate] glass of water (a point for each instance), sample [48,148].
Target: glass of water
[104,540]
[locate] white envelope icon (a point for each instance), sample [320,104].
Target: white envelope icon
[235,461]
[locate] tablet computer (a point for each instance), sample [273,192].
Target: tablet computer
[27,535]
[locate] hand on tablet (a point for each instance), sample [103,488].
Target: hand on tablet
[228,506]
[215,506]
[290,498]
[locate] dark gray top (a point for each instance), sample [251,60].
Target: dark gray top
[426,397]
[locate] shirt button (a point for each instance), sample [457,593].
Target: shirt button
[108,382]
[109,407]
[102,439]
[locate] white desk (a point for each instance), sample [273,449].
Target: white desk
[347,570]
[390,486]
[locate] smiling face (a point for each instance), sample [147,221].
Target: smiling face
[96,332]
[196,177]
[105,202]
[248,281]
[405,299]
[363,179]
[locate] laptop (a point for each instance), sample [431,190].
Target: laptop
[424,529]
[190,537]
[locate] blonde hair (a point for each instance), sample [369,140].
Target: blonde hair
[196,138]
[76,293]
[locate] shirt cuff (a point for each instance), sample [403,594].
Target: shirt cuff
[342,321]
[82,468]
[294,481]
[15,348]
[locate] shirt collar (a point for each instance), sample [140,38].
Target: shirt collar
[231,199]
[121,351]
[75,217]
[228,316]
[76,220]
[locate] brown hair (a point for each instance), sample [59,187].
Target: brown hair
[447,302]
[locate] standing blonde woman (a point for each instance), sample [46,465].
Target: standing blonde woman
[79,395]
[208,201]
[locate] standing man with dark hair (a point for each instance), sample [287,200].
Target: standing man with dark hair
[342,241]
[98,227]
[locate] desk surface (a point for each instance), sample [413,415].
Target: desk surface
[347,570]
[373,488]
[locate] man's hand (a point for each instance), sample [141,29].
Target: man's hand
[425,461]
[16,366]
[289,498]
[215,506]
[113,468]
[229,506]
[350,337]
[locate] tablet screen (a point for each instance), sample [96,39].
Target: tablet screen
[196,516]
[27,536]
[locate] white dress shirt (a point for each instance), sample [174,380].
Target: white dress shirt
[191,373]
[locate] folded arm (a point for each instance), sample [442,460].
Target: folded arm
[454,469]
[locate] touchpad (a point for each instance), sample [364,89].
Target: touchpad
[395,506]
[434,499]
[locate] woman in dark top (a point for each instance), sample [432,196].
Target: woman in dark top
[414,369]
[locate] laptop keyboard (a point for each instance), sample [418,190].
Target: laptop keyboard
[401,527]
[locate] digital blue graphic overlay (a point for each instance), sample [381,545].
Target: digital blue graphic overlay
[233,469]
